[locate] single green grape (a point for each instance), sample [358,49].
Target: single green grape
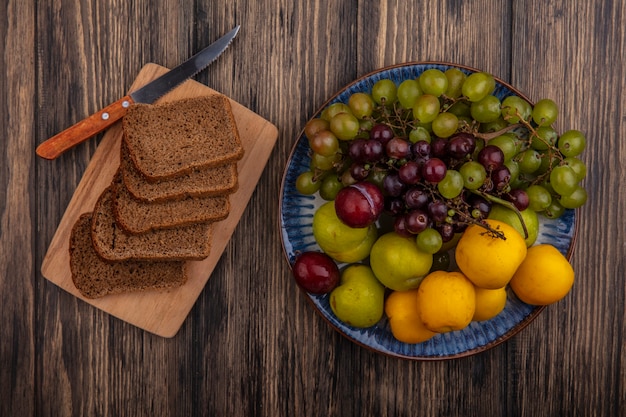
[429,241]
[332,110]
[324,143]
[408,91]
[538,197]
[507,144]
[478,85]
[345,126]
[563,180]
[306,183]
[433,81]
[455,77]
[572,143]
[361,105]
[445,124]
[545,138]
[324,163]
[486,110]
[577,165]
[545,112]
[515,108]
[460,109]
[576,199]
[419,133]
[451,185]
[474,175]
[315,125]
[528,161]
[384,92]
[329,187]
[426,108]
[554,209]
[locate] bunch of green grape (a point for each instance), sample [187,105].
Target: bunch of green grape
[443,149]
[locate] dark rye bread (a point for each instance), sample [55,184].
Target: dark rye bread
[136,216]
[171,139]
[114,244]
[94,277]
[199,182]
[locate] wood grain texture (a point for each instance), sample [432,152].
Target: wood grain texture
[17,198]
[252,345]
[591,337]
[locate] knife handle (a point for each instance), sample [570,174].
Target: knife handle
[84,129]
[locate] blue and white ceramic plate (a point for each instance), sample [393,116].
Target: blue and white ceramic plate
[296,216]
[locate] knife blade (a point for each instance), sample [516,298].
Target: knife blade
[99,121]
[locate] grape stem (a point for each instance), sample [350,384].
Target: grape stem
[491,135]
[506,204]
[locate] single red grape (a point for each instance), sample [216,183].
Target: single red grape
[393,186]
[416,198]
[501,176]
[417,221]
[434,170]
[491,157]
[409,173]
[519,198]
[461,145]
[382,133]
[398,148]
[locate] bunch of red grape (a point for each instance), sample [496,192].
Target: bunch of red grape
[441,149]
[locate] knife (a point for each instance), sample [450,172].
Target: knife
[104,118]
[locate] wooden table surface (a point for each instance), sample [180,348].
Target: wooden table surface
[252,345]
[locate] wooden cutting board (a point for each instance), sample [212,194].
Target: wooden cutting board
[160,312]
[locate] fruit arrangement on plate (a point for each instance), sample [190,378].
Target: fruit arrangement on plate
[428,210]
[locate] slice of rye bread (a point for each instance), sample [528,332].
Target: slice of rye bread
[114,244]
[137,217]
[199,182]
[95,277]
[171,139]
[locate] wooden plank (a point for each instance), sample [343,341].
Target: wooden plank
[267,348]
[17,274]
[575,56]
[475,34]
[160,312]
